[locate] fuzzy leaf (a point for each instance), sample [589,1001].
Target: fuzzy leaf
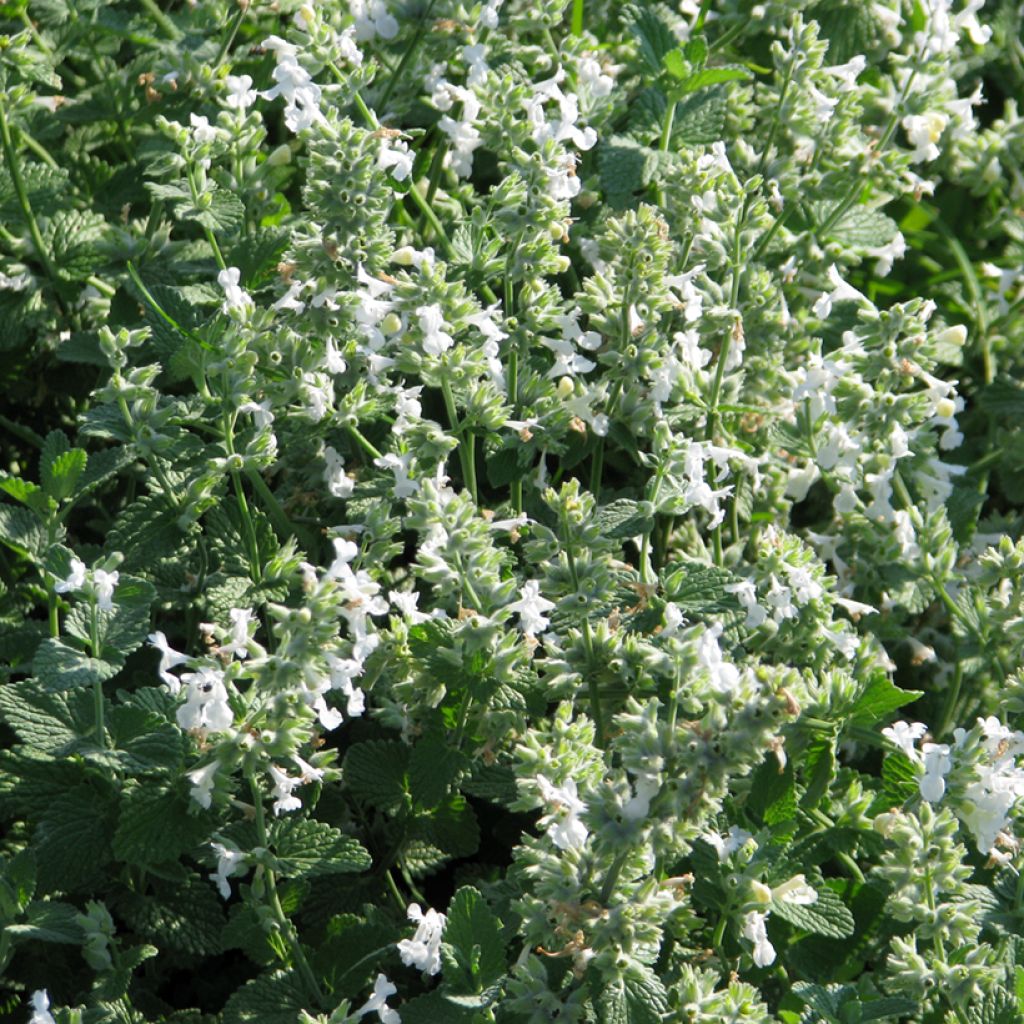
[636,996]
[186,916]
[22,532]
[880,698]
[433,767]
[653,36]
[45,721]
[72,839]
[434,1008]
[624,167]
[305,847]
[274,998]
[700,118]
[49,921]
[61,476]
[376,770]
[625,518]
[156,825]
[828,916]
[59,666]
[474,935]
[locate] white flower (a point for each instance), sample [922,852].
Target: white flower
[746,594]
[338,482]
[395,155]
[531,608]
[905,736]
[795,891]
[239,633]
[230,861]
[206,706]
[423,950]
[435,340]
[235,297]
[373,19]
[294,83]
[168,659]
[75,579]
[564,826]
[382,988]
[104,583]
[847,73]
[923,132]
[736,838]
[841,292]
[283,786]
[724,676]
[240,95]
[202,130]
[937,764]
[754,931]
[202,780]
[41,1008]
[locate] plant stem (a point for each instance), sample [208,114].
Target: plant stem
[466,449]
[97,686]
[417,36]
[286,927]
[14,169]
[576,25]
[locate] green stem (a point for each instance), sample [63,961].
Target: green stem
[14,169]
[612,877]
[419,33]
[255,566]
[284,526]
[97,686]
[230,33]
[363,443]
[286,927]
[576,24]
[466,449]
[167,26]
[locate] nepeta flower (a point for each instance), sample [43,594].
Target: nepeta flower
[240,94]
[435,340]
[754,931]
[382,988]
[75,579]
[41,1008]
[203,780]
[168,659]
[423,950]
[905,736]
[104,583]
[283,786]
[566,830]
[230,861]
[206,706]
[235,297]
[531,608]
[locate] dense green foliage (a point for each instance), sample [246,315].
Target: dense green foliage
[482,486]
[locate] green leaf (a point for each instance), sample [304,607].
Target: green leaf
[828,916]
[1003,397]
[61,667]
[899,778]
[61,476]
[884,1009]
[676,64]
[72,839]
[712,76]
[654,37]
[859,228]
[453,827]
[880,698]
[698,587]
[819,764]
[22,532]
[45,721]
[144,740]
[225,213]
[700,118]
[636,996]
[433,1008]
[625,518]
[121,629]
[997,1007]
[26,492]
[474,935]
[624,168]
[156,824]
[305,847]
[47,921]
[187,916]
[376,772]
[274,998]
[433,766]
[773,793]
[76,238]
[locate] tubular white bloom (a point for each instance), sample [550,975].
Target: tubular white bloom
[169,659]
[566,830]
[41,1008]
[754,931]
[905,735]
[382,988]
[207,704]
[240,94]
[937,764]
[283,786]
[531,608]
[203,780]
[104,582]
[423,950]
[235,297]
[230,861]
[795,891]
[75,579]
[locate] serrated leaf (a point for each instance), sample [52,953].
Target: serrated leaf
[654,37]
[433,766]
[143,738]
[75,238]
[623,166]
[376,772]
[887,1008]
[899,778]
[433,1008]
[187,916]
[819,763]
[474,935]
[305,847]
[676,64]
[700,118]
[22,532]
[712,76]
[49,921]
[773,793]
[880,698]
[860,228]
[828,915]
[156,824]
[44,720]
[59,666]
[224,214]
[274,998]
[698,587]
[61,476]
[72,839]
[625,518]
[637,996]
[25,491]
[453,827]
